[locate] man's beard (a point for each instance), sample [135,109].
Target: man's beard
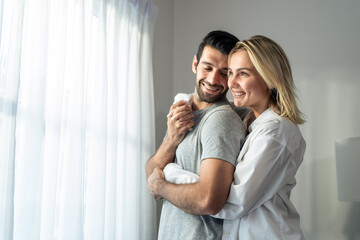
[209,98]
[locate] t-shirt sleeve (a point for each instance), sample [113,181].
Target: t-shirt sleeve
[222,136]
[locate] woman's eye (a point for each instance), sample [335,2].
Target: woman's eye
[243,74]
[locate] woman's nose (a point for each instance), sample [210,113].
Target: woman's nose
[231,81]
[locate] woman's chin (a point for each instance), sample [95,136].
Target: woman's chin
[238,103]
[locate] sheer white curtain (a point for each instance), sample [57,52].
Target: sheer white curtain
[76,119]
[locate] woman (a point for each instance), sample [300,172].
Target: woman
[259,206]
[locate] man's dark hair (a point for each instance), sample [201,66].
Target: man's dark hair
[220,40]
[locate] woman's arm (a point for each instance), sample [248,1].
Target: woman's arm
[266,167]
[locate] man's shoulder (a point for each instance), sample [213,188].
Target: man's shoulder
[223,113]
[241,111]
[223,119]
[224,107]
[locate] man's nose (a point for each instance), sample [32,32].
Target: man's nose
[214,77]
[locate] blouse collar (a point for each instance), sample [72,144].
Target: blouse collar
[267,114]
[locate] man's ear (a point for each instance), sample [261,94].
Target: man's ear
[194,64]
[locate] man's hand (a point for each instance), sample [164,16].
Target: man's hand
[154,183]
[205,197]
[179,122]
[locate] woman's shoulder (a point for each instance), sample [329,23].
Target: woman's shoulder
[279,127]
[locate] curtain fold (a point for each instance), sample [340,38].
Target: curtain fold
[11,15]
[76,119]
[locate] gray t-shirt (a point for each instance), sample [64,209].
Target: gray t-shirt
[218,133]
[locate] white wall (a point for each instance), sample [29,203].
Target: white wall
[163,68]
[163,64]
[321,38]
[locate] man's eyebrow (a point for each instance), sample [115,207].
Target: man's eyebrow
[209,63]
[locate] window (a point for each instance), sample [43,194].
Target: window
[79,80]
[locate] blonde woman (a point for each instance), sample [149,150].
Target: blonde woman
[259,206]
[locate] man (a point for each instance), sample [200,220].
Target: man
[210,149]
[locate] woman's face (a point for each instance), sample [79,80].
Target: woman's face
[246,84]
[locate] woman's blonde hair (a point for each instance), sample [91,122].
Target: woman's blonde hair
[272,64]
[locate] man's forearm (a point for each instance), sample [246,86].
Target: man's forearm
[191,198]
[164,155]
[205,197]
[178,123]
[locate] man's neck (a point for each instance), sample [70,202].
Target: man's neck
[199,104]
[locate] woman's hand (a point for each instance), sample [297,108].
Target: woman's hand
[179,122]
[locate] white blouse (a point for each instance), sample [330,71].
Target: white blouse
[259,206]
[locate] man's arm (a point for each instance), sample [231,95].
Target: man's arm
[221,139]
[178,123]
[205,197]
[164,155]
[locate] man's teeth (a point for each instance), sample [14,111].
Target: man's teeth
[210,88]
